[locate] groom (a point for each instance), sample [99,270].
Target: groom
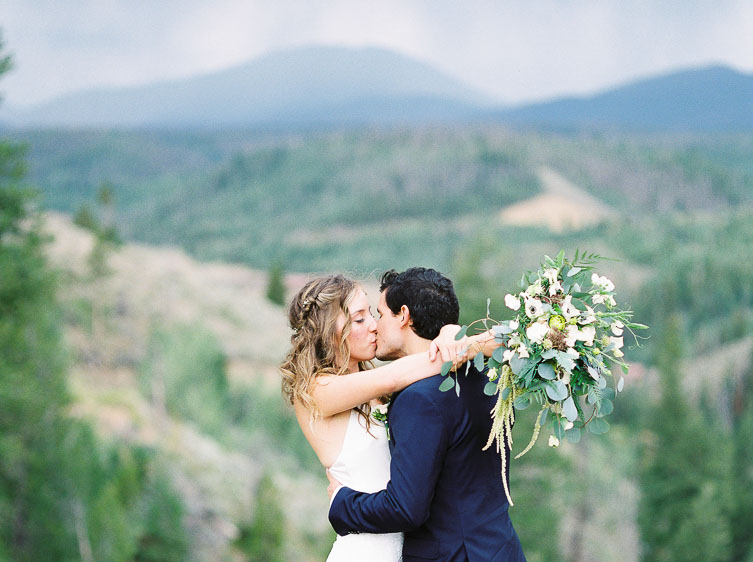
[444,492]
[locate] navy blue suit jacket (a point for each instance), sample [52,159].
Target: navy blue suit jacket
[444,492]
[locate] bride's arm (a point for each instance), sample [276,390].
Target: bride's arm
[483,342]
[334,394]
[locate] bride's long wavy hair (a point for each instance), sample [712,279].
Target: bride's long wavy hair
[315,348]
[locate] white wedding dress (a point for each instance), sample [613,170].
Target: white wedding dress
[364,465]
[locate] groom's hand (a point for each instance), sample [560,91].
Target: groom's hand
[333,485]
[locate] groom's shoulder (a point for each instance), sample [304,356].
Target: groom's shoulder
[430,386]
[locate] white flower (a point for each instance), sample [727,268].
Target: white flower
[587,335]
[602,282]
[572,353]
[514,324]
[589,318]
[617,342]
[553,441]
[551,274]
[571,335]
[537,331]
[565,378]
[523,352]
[535,289]
[508,354]
[554,287]
[534,308]
[381,409]
[611,301]
[617,328]
[512,302]
[618,353]
[492,374]
[568,425]
[598,298]
[569,310]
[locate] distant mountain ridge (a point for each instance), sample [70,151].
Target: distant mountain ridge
[711,99]
[307,85]
[322,86]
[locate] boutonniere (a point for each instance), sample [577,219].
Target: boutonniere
[379,413]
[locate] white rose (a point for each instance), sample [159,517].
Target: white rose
[512,302]
[553,441]
[537,331]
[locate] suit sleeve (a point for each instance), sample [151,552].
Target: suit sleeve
[421,438]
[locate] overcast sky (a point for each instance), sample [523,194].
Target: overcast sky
[512,50]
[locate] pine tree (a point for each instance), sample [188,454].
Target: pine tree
[276,285]
[263,540]
[682,514]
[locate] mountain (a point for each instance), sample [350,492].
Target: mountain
[307,85]
[709,99]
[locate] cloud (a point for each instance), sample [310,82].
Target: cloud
[513,50]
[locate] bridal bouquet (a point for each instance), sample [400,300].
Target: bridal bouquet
[559,352]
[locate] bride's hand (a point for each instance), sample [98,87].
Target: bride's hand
[448,347]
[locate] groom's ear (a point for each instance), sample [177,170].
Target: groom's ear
[405,319]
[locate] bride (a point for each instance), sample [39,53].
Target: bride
[327,377]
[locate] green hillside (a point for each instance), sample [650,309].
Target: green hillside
[367,199]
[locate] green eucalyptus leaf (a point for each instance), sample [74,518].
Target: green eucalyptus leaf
[517,364]
[558,430]
[569,410]
[457,387]
[556,390]
[478,361]
[543,416]
[447,384]
[497,354]
[601,383]
[573,435]
[546,371]
[505,392]
[522,403]
[604,407]
[598,426]
[446,366]
[491,388]
[620,384]
[573,271]
[461,334]
[565,361]
[549,354]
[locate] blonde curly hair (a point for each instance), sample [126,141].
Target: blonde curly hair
[315,348]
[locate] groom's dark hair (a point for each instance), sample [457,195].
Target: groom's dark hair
[429,296]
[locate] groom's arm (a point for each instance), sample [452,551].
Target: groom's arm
[420,431]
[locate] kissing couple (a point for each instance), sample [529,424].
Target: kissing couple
[409,479]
